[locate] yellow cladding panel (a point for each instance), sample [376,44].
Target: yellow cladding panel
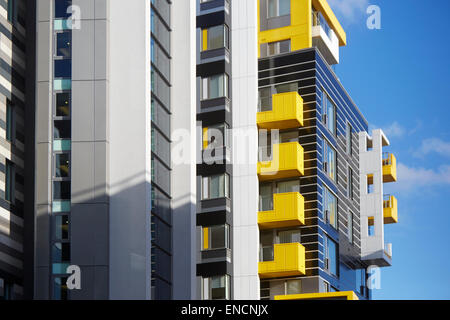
[342,295]
[205,238]
[390,169]
[289,260]
[287,161]
[289,211]
[286,113]
[205,138]
[204,39]
[322,6]
[300,30]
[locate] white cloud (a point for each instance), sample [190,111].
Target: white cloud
[415,179]
[349,8]
[394,130]
[433,145]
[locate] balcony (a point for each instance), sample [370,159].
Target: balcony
[389,167]
[288,211]
[390,212]
[287,161]
[325,39]
[289,260]
[341,295]
[286,113]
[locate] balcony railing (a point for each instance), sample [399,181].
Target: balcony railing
[280,161]
[390,210]
[288,260]
[389,163]
[288,211]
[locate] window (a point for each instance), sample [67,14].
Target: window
[328,112]
[61,190]
[293,287]
[215,87]
[60,291]
[62,227]
[64,44]
[217,134]
[216,237]
[276,8]
[62,129]
[279,47]
[360,280]
[329,162]
[288,186]
[217,186]
[216,288]
[350,183]
[11,10]
[63,68]
[10,122]
[216,37]
[330,207]
[62,165]
[350,227]
[331,256]
[266,248]
[61,8]
[10,181]
[62,104]
[370,187]
[348,138]
[371,227]
[289,236]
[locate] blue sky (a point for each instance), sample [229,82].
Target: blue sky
[399,77]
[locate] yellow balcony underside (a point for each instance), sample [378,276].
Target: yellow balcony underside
[390,212]
[288,211]
[343,295]
[289,261]
[286,113]
[287,161]
[390,169]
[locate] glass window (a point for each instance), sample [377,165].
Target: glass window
[62,165]
[10,123]
[289,136]
[63,104]
[61,190]
[61,252]
[218,237]
[329,111]
[215,87]
[217,288]
[348,138]
[288,186]
[217,37]
[329,162]
[216,186]
[267,241]
[63,44]
[218,134]
[330,207]
[62,129]
[266,197]
[331,256]
[293,287]
[62,227]
[350,183]
[265,94]
[277,8]
[11,10]
[279,47]
[350,227]
[289,236]
[10,181]
[63,68]
[61,7]
[60,288]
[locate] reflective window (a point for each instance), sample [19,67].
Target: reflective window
[217,37]
[61,190]
[63,68]
[215,87]
[329,161]
[216,237]
[63,44]
[216,288]
[63,104]
[62,129]
[277,8]
[289,236]
[62,165]
[331,256]
[279,47]
[330,207]
[62,227]
[61,8]
[216,186]
[60,288]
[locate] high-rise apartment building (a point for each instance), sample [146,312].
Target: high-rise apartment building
[194,149]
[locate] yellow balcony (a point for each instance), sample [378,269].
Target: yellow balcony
[287,161]
[342,295]
[286,113]
[389,168]
[390,211]
[288,211]
[289,260]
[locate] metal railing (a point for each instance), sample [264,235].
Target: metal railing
[387,203]
[319,20]
[387,159]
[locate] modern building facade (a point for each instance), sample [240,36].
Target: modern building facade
[195,149]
